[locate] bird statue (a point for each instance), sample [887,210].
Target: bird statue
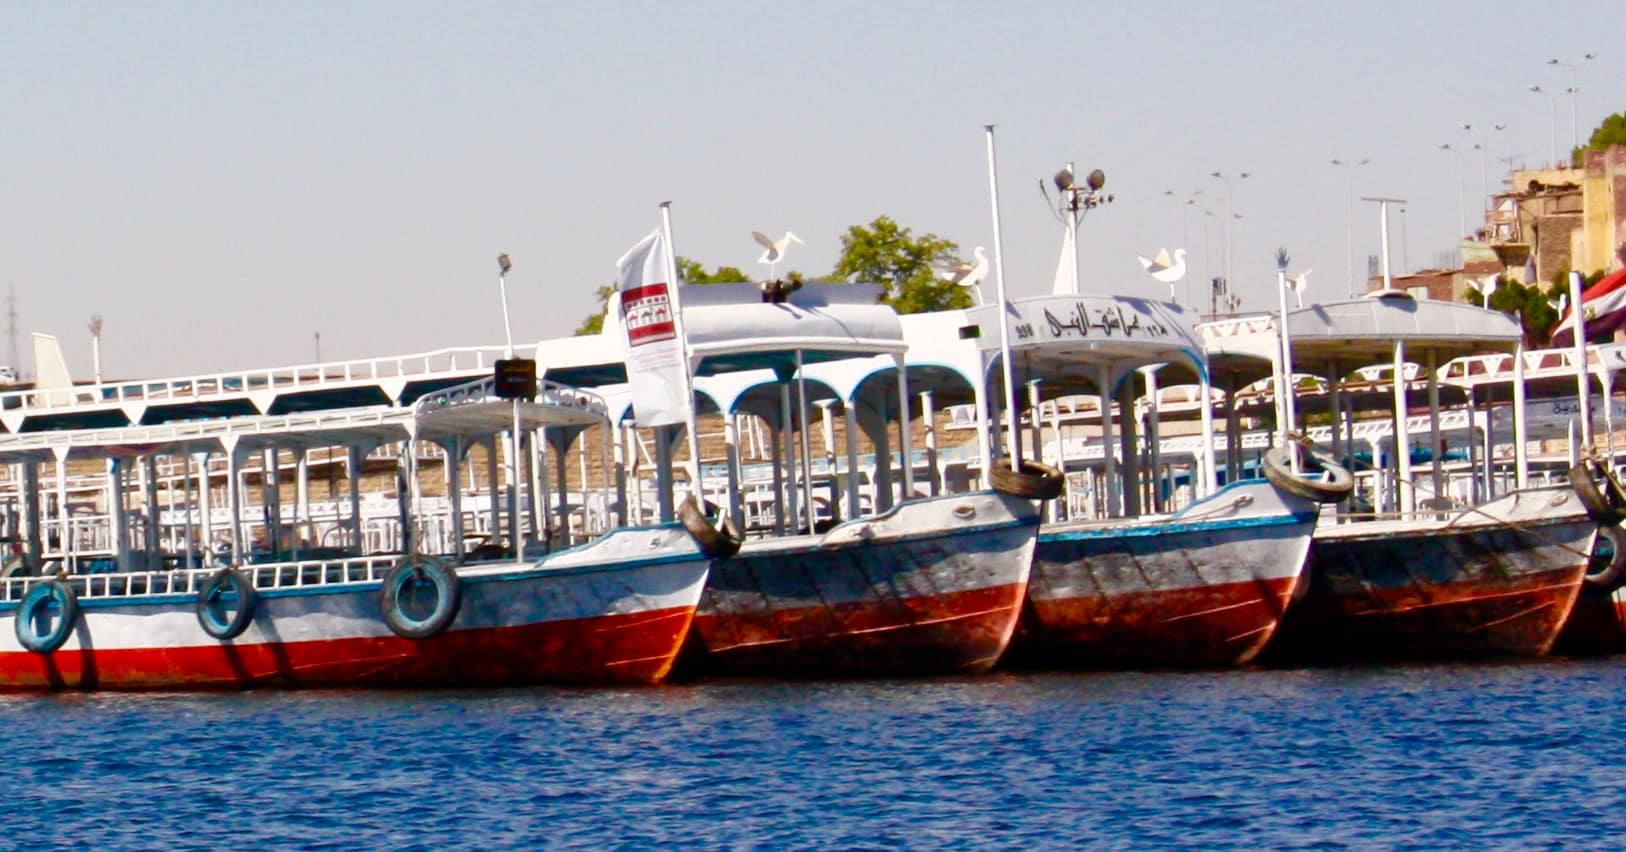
[774,250]
[1298,284]
[1164,270]
[1485,287]
[968,274]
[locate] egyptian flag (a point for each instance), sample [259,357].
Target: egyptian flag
[1603,306]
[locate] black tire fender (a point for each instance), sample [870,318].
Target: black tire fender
[1279,472]
[421,571]
[222,582]
[1033,479]
[1599,492]
[42,594]
[718,542]
[1611,576]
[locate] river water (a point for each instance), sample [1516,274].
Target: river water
[1514,754]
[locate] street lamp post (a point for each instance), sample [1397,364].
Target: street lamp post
[1462,209]
[96,346]
[1230,214]
[1185,230]
[1575,131]
[1349,218]
[1553,97]
[503,267]
[1484,143]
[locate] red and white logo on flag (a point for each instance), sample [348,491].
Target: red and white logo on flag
[646,311]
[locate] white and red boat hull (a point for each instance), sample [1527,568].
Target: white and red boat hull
[935,586]
[1497,579]
[615,610]
[1206,587]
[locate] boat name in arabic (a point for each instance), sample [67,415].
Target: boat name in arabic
[1107,320]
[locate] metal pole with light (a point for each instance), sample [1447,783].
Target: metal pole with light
[1073,203]
[1484,144]
[96,346]
[503,267]
[1575,88]
[1349,218]
[1230,214]
[1284,379]
[1553,97]
[1462,208]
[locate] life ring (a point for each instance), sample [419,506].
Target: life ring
[1610,576]
[1335,487]
[1034,480]
[412,577]
[212,597]
[42,595]
[1599,491]
[718,542]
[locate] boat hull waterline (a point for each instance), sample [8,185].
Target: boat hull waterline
[934,586]
[1203,588]
[591,615]
[1499,579]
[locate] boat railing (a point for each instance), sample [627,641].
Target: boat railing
[167,582]
[549,393]
[315,376]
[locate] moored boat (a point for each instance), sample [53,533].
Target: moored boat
[1497,578]
[613,610]
[1207,586]
[1427,571]
[930,585]
[1132,579]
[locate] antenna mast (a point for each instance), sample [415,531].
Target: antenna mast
[11,328]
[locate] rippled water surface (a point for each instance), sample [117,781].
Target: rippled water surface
[1506,755]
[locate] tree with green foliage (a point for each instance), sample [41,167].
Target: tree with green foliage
[888,254]
[1532,305]
[689,272]
[1607,135]
[595,323]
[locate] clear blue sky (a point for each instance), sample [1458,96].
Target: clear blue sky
[222,181]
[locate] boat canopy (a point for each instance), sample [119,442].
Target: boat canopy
[730,327]
[1359,332]
[1066,340]
[467,410]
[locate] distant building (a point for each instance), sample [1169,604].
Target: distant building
[1555,219]
[1548,220]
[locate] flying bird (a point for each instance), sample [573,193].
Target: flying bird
[968,274]
[774,250]
[1163,269]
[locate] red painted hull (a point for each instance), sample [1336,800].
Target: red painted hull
[1473,588]
[962,632]
[934,587]
[1472,618]
[1204,588]
[621,649]
[1204,626]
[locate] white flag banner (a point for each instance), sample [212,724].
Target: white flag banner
[649,312]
